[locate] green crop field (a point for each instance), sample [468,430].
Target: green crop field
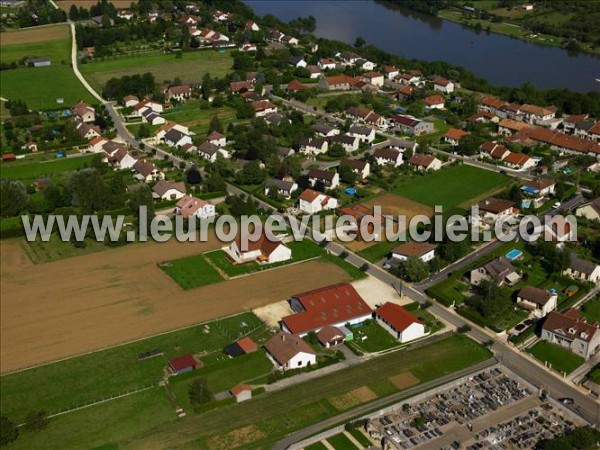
[40,87]
[197,119]
[29,171]
[560,358]
[92,377]
[341,442]
[190,68]
[192,272]
[456,186]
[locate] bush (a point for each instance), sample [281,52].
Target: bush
[36,420]
[8,431]
[464,329]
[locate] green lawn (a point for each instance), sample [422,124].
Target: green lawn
[190,68]
[378,251]
[92,377]
[360,437]
[279,413]
[29,171]
[594,375]
[316,446]
[191,272]
[560,358]
[456,186]
[341,442]
[102,424]
[375,337]
[198,120]
[591,310]
[352,270]
[301,251]
[31,84]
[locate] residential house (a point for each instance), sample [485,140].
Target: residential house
[284,188]
[121,159]
[312,202]
[424,162]
[390,72]
[570,330]
[176,138]
[365,64]
[542,187]
[412,126]
[330,336]
[519,161]
[409,79]
[208,151]
[364,134]
[87,131]
[248,47]
[263,250]
[349,57]
[297,61]
[324,129]
[84,112]
[580,269]
[147,172]
[329,180]
[263,107]
[403,145]
[149,116]
[537,114]
[97,143]
[315,71]
[241,86]
[335,305]
[337,83]
[313,146]
[362,169]
[296,85]
[590,210]
[387,155]
[179,93]
[537,301]
[443,85]
[217,139]
[374,78]
[454,135]
[493,210]
[182,364]
[367,116]
[169,190]
[288,351]
[130,101]
[436,101]
[494,151]
[349,143]
[499,270]
[399,322]
[142,106]
[508,127]
[327,63]
[160,133]
[252,26]
[421,250]
[405,92]
[189,206]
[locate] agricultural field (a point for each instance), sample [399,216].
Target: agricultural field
[558,357]
[31,84]
[116,370]
[191,272]
[190,68]
[458,186]
[28,170]
[43,321]
[197,119]
[65,5]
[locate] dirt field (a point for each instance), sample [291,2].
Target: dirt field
[395,205]
[65,5]
[77,305]
[404,380]
[237,438]
[34,34]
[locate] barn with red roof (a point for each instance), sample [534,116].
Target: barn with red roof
[399,322]
[335,305]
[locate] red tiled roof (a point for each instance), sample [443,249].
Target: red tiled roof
[283,347]
[308,195]
[434,100]
[183,362]
[237,390]
[263,243]
[421,159]
[414,249]
[396,316]
[247,344]
[455,134]
[339,303]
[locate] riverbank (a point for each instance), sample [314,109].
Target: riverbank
[509,29]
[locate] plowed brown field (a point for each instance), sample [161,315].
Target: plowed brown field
[78,305]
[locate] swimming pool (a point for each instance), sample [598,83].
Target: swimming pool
[514,254]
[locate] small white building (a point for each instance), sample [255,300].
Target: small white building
[399,322]
[364,134]
[580,269]
[263,250]
[217,139]
[288,351]
[168,190]
[312,202]
[330,180]
[537,301]
[189,206]
[385,156]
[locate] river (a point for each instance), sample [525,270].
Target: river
[500,59]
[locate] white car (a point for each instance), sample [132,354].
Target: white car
[556,205]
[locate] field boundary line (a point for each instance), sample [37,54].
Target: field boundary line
[244,275]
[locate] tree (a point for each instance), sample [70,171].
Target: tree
[87,190]
[252,173]
[215,183]
[207,85]
[347,175]
[142,197]
[359,42]
[144,131]
[36,420]
[13,198]
[199,393]
[273,192]
[8,431]
[336,151]
[560,190]
[415,269]
[469,145]
[215,125]
[193,176]
[73,13]
[515,194]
